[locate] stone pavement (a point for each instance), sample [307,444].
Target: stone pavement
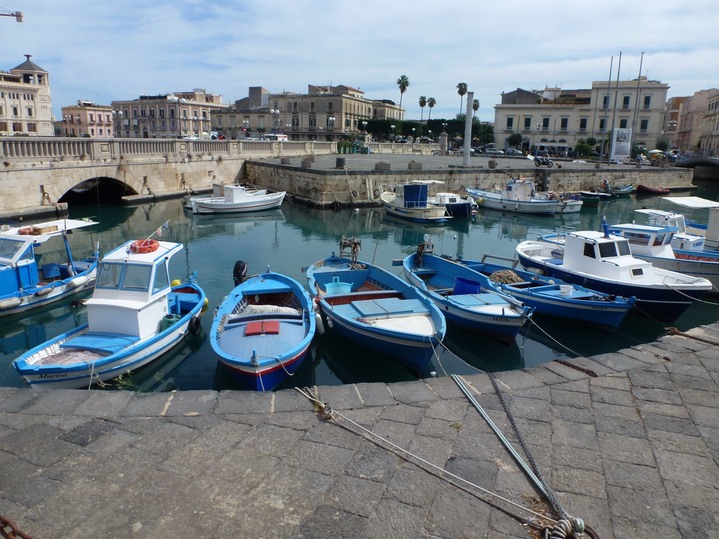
[632,450]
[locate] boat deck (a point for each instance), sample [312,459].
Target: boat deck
[266,337]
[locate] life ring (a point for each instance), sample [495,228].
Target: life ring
[25,231]
[144,246]
[194,325]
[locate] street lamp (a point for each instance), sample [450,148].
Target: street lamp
[246,127]
[364,126]
[16,14]
[444,127]
[392,128]
[330,122]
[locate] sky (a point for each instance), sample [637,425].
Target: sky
[104,50]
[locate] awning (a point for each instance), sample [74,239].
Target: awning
[692,202]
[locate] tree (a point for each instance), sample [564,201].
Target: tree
[515,139]
[475,105]
[403,83]
[461,90]
[431,102]
[422,104]
[662,144]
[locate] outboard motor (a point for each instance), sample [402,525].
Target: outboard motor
[239,272]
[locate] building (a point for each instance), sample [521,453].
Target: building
[87,119]
[25,102]
[176,115]
[323,113]
[709,140]
[690,120]
[671,118]
[555,120]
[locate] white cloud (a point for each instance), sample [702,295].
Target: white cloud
[105,51]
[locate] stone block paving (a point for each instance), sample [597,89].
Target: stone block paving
[628,441]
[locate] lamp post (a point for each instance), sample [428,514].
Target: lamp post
[392,128]
[275,119]
[246,127]
[413,132]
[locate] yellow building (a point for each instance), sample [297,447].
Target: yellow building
[25,102]
[87,119]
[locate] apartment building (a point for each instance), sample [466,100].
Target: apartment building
[25,102]
[87,119]
[555,119]
[690,120]
[323,113]
[709,140]
[176,115]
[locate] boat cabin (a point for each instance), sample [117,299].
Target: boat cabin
[681,239]
[131,292]
[414,194]
[604,255]
[519,190]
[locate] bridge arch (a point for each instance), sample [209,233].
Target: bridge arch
[101,189]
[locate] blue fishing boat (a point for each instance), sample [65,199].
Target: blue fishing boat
[24,282]
[134,316]
[465,296]
[551,296]
[375,308]
[263,328]
[603,261]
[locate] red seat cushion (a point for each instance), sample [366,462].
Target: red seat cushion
[262,327]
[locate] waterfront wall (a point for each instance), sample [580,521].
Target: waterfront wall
[327,188]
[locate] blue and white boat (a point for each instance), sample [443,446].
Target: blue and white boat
[24,282]
[134,316]
[603,261]
[263,328]
[376,309]
[411,201]
[465,296]
[551,296]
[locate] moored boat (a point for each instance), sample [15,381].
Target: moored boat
[465,296]
[604,262]
[237,199]
[455,205]
[375,308]
[551,296]
[263,328]
[518,196]
[24,282]
[411,201]
[643,189]
[134,316]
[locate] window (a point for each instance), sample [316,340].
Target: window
[510,123]
[582,124]
[623,124]
[625,102]
[162,277]
[564,124]
[109,276]
[589,250]
[545,124]
[312,121]
[601,124]
[647,102]
[607,250]
[644,125]
[605,102]
[29,112]
[31,128]
[527,124]
[136,277]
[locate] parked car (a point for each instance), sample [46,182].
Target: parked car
[512,151]
[493,151]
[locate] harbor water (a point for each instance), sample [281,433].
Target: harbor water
[289,239]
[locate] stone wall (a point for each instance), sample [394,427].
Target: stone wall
[348,187]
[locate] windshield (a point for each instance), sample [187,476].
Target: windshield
[9,248]
[122,276]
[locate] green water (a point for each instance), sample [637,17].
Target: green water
[295,236]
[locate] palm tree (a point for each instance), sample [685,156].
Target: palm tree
[403,83]
[431,102]
[422,104]
[475,105]
[461,90]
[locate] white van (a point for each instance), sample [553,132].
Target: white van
[274,136]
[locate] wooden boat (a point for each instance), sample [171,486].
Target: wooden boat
[237,199]
[604,262]
[664,243]
[569,204]
[376,309]
[411,201]
[643,189]
[518,196]
[551,296]
[134,316]
[623,190]
[24,283]
[454,205]
[465,296]
[263,328]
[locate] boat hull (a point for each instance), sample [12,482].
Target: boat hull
[253,203]
[101,366]
[495,201]
[263,329]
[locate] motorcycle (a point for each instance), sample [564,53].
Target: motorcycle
[543,160]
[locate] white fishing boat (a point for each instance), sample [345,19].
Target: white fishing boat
[412,201]
[25,282]
[236,199]
[518,196]
[134,316]
[695,205]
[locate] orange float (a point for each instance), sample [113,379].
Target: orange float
[144,246]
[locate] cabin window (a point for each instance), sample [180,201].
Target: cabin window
[162,277]
[109,276]
[623,248]
[637,272]
[589,250]
[8,248]
[136,277]
[607,250]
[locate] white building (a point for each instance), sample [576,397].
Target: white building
[25,102]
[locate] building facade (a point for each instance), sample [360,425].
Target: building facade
[87,119]
[690,120]
[709,140]
[323,113]
[176,115]
[555,120]
[25,101]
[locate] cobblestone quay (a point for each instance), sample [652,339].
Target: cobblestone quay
[627,441]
